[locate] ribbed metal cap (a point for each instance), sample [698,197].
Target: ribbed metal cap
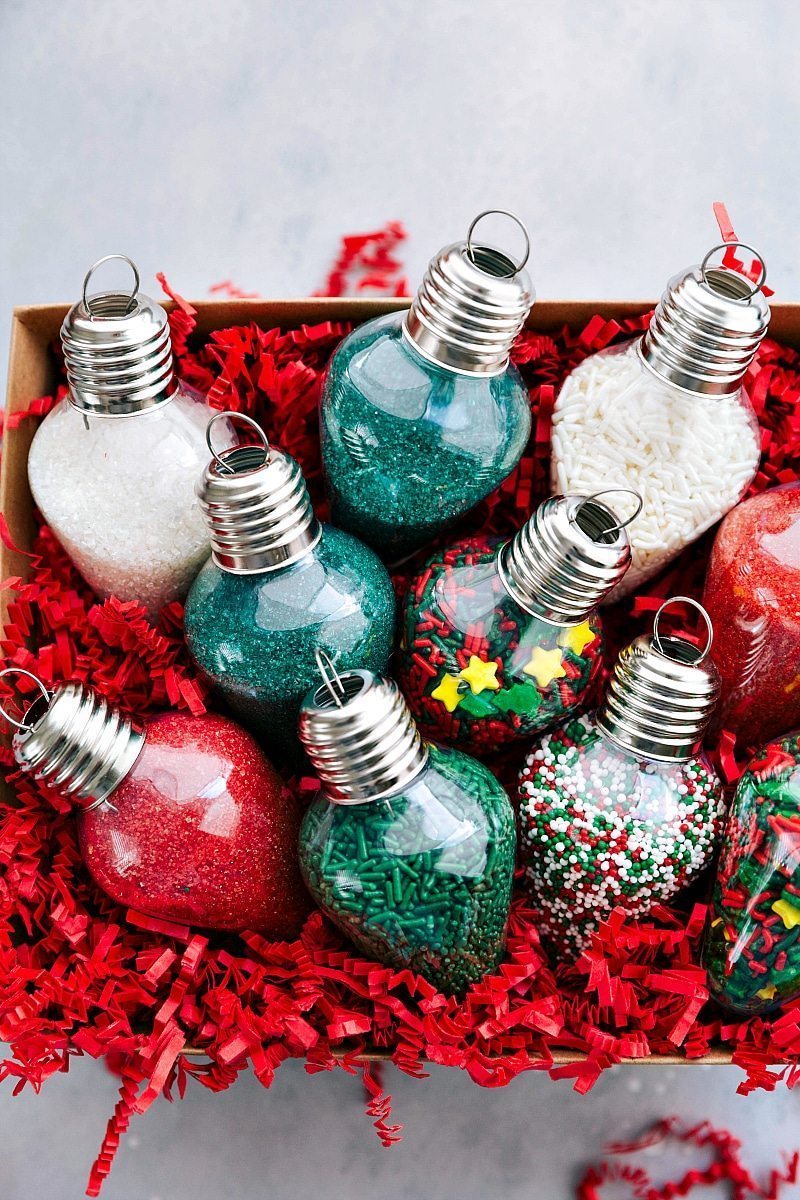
[707,328]
[360,736]
[256,504]
[567,557]
[662,694]
[75,742]
[117,350]
[472,303]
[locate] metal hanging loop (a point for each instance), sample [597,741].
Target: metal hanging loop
[502,212]
[604,492]
[233,417]
[756,285]
[44,692]
[331,678]
[87,304]
[694,604]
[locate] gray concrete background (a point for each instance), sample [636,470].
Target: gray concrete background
[239,140]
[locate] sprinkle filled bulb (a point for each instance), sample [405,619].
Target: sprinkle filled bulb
[503,640]
[751,951]
[621,809]
[279,586]
[423,415]
[179,817]
[668,414]
[113,467]
[409,848]
[752,593]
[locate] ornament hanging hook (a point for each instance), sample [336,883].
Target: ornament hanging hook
[694,604]
[331,677]
[502,212]
[87,302]
[233,417]
[44,693]
[757,284]
[604,492]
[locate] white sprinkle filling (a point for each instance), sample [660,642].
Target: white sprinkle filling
[691,457]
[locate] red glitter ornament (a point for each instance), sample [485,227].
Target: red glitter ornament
[202,831]
[184,819]
[752,594]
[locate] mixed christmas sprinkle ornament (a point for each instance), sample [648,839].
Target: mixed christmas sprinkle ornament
[752,952]
[113,466]
[279,586]
[668,415]
[502,640]
[622,809]
[181,818]
[409,848]
[423,414]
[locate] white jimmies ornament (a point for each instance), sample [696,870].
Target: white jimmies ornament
[667,416]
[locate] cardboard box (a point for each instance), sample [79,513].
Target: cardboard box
[32,373]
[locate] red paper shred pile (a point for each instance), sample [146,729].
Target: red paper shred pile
[79,976]
[725,1166]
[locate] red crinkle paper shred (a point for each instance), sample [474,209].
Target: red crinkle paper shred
[725,1165]
[79,976]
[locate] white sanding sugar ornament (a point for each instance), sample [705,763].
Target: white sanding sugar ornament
[667,415]
[113,467]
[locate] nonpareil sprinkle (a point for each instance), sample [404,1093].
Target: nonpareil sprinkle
[601,828]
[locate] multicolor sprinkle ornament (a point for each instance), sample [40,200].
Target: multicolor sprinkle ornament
[602,828]
[753,946]
[502,641]
[622,809]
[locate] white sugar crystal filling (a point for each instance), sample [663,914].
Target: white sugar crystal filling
[691,457]
[120,495]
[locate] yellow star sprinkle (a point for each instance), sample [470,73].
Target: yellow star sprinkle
[787,913]
[449,692]
[577,637]
[480,675]
[545,666]
[767,993]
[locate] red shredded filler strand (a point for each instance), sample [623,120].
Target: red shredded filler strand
[79,976]
[725,1165]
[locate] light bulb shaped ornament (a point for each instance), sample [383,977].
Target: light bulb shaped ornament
[751,950]
[409,848]
[113,466]
[622,808]
[423,414]
[503,639]
[180,817]
[279,586]
[667,414]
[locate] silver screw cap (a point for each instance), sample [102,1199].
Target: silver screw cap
[72,740]
[567,557]
[662,693]
[471,304]
[360,736]
[117,350]
[707,327]
[256,505]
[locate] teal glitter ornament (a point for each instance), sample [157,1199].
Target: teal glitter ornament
[409,848]
[278,587]
[423,415]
